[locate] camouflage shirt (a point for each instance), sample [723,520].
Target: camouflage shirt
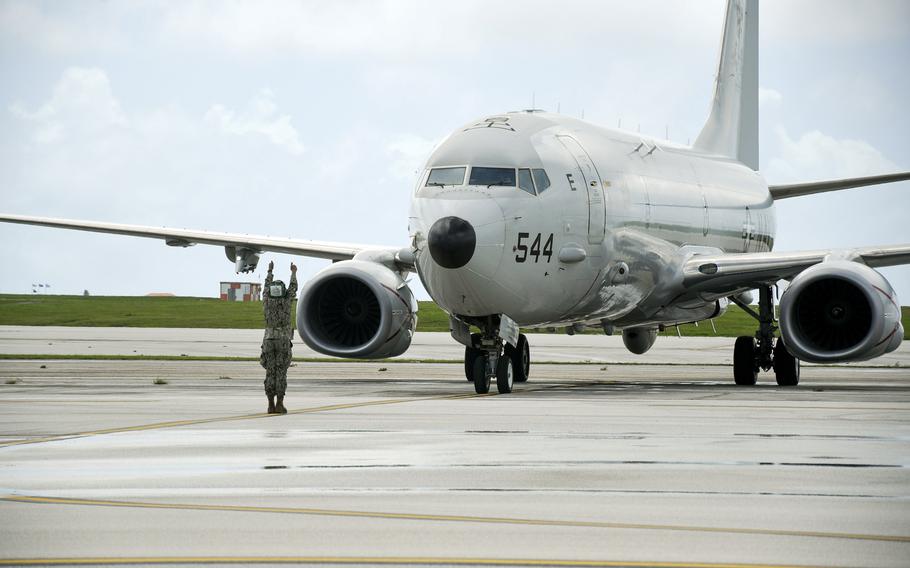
[278,310]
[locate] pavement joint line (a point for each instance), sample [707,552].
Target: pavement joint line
[196,421]
[383,560]
[413,361]
[455,518]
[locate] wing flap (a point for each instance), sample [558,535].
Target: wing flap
[186,237]
[808,188]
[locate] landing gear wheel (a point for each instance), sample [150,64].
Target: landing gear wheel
[521,359]
[745,371]
[786,366]
[470,353]
[504,375]
[479,374]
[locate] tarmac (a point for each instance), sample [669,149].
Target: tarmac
[172,462]
[547,347]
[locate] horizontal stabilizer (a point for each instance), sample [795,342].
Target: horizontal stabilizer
[808,188]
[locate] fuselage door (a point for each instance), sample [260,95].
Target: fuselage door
[596,207]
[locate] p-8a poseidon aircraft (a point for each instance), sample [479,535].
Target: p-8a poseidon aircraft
[531,219]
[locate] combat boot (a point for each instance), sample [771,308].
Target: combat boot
[271,404]
[279,408]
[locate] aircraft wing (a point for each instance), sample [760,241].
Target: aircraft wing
[808,188]
[187,237]
[728,272]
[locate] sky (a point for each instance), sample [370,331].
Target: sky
[310,119]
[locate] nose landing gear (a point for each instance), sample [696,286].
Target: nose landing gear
[490,358]
[763,352]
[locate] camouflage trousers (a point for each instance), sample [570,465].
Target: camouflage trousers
[275,359]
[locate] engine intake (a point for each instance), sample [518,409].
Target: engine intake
[357,309]
[840,311]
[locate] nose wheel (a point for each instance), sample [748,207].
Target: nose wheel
[521,359]
[479,374]
[506,364]
[470,355]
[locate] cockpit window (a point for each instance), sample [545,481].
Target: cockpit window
[445,176]
[493,176]
[541,179]
[524,180]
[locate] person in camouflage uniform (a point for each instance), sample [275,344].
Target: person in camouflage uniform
[276,343]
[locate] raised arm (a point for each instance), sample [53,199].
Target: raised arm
[292,286]
[268,275]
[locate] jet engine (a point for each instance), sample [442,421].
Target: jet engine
[639,339]
[357,309]
[840,311]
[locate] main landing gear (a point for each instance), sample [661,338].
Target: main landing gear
[762,351]
[491,357]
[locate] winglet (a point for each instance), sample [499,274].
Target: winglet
[732,127]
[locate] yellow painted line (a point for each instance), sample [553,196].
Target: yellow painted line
[197,421]
[384,560]
[453,518]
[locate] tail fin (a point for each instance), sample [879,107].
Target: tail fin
[732,127]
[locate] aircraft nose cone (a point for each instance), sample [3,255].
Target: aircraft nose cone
[451,241]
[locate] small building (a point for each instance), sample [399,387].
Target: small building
[241,291]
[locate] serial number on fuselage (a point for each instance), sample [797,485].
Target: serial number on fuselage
[524,252]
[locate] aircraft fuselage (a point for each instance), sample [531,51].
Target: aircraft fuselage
[603,242]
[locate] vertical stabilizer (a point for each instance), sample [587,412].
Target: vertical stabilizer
[732,127]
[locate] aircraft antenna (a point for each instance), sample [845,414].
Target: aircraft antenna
[666,131]
[619,124]
[582,114]
[533,100]
[558,107]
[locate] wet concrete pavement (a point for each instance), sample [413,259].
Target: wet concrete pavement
[401,463]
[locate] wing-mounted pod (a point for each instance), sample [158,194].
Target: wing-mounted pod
[244,259]
[359,309]
[840,311]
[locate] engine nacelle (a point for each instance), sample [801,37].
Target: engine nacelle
[639,339]
[357,309]
[840,311]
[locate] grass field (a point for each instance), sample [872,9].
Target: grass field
[128,311]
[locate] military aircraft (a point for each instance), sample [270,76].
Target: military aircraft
[532,219]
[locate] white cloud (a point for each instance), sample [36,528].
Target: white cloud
[260,118]
[64,28]
[768,97]
[82,104]
[407,153]
[395,27]
[818,156]
[834,21]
